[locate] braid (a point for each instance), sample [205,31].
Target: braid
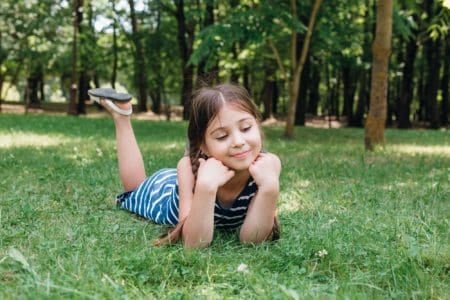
[194,155]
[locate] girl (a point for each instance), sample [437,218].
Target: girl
[225,180]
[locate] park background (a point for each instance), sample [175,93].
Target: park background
[356,223]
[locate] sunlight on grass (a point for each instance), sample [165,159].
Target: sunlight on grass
[427,150]
[296,201]
[22,139]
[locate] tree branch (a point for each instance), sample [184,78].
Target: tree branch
[277,57]
[305,48]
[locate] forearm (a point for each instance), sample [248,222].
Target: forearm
[186,181]
[199,225]
[259,221]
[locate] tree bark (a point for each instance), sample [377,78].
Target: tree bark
[381,48]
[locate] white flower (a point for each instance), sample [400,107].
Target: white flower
[322,253]
[242,268]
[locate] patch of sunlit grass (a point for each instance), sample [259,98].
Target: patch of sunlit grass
[438,150]
[28,139]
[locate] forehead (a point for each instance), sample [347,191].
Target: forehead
[229,115]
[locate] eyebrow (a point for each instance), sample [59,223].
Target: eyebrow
[224,127]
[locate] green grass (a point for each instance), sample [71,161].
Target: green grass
[354,226]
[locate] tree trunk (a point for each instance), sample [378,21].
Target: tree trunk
[139,61]
[297,65]
[185,43]
[364,74]
[114,47]
[33,89]
[157,92]
[314,95]
[381,48]
[445,85]
[2,80]
[268,91]
[83,79]
[349,86]
[83,87]
[363,97]
[406,93]
[302,99]
[204,76]
[72,109]
[432,49]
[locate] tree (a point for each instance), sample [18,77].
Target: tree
[186,35]
[139,60]
[381,48]
[297,64]
[405,96]
[76,5]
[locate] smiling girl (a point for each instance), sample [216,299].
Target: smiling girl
[226,180]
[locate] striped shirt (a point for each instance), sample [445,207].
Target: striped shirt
[157,199]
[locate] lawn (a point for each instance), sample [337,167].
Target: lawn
[354,225]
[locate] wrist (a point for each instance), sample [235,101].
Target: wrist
[269,188]
[205,187]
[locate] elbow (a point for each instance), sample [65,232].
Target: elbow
[184,163]
[195,238]
[195,243]
[256,236]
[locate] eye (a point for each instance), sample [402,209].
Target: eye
[246,128]
[222,137]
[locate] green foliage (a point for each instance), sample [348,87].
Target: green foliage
[353,225]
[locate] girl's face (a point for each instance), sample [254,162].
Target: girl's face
[233,137]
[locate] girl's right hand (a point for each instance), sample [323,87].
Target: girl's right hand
[213,173]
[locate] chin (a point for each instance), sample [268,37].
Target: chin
[240,167]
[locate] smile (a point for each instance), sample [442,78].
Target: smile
[241,154]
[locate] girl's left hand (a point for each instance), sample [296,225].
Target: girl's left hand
[266,169]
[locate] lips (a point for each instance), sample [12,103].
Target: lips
[241,154]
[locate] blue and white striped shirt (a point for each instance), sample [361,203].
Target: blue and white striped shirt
[157,199]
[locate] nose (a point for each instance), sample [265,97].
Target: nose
[238,139]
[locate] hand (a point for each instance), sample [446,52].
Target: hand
[265,170]
[213,173]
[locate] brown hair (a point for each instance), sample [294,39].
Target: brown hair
[205,105]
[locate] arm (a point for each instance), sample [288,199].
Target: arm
[198,228]
[186,181]
[259,221]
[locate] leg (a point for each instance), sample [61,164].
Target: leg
[131,164]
